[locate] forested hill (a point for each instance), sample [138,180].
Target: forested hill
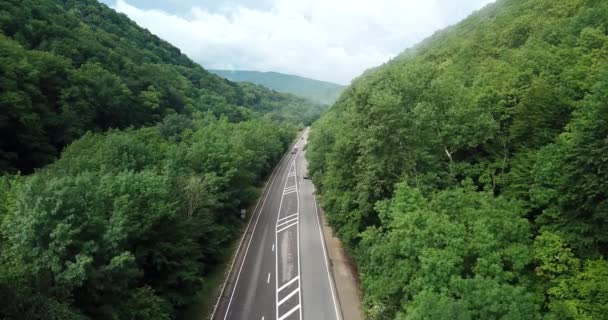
[71,66]
[157,158]
[468,176]
[315,90]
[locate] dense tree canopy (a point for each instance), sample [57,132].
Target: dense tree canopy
[72,66]
[158,156]
[468,175]
[128,223]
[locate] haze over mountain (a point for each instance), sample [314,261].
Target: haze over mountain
[466,177]
[315,90]
[327,40]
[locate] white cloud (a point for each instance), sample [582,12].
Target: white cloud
[333,40]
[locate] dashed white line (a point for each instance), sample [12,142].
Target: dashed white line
[268,280]
[267,190]
[273,247]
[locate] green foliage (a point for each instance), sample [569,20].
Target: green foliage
[126,224]
[69,67]
[468,175]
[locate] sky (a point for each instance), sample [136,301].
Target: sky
[331,40]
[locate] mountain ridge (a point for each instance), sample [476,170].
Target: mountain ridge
[319,91]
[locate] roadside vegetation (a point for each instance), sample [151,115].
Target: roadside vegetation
[468,176]
[124,164]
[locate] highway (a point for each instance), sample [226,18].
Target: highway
[281,271]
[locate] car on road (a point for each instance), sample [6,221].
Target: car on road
[294,150]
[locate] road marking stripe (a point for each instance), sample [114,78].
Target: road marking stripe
[276,253]
[287,222]
[276,257]
[276,170]
[268,279]
[273,247]
[295,168]
[289,312]
[331,285]
[287,227]
[287,217]
[294,279]
[289,296]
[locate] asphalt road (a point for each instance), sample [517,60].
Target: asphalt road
[281,271]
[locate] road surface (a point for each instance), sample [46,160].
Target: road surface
[282,271]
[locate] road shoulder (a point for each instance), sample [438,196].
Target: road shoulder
[344,273]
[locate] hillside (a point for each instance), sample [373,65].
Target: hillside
[73,66]
[134,165]
[468,175]
[315,90]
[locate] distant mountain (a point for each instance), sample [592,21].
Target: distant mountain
[315,90]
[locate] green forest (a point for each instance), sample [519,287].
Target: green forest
[468,176]
[124,164]
[73,66]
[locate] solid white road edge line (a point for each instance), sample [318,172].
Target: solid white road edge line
[295,168]
[267,190]
[331,285]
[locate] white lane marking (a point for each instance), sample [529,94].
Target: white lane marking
[295,168]
[273,247]
[290,312]
[268,280]
[331,285]
[289,296]
[287,222]
[287,217]
[262,317]
[289,191]
[287,227]
[276,257]
[294,279]
[276,253]
[267,190]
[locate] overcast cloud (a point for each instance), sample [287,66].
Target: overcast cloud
[332,40]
